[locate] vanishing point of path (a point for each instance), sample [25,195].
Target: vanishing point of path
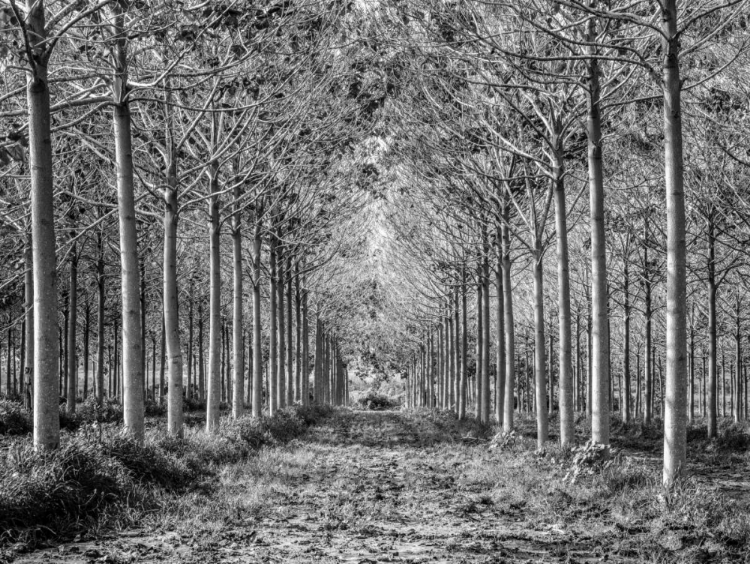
[362,487]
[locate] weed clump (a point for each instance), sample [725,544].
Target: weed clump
[376,402]
[14,418]
[733,437]
[155,408]
[42,490]
[193,404]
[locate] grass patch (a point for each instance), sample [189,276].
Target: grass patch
[99,471]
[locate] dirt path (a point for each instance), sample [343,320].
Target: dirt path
[362,488]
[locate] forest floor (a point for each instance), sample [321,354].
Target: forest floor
[366,487]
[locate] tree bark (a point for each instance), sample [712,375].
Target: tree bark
[28,294]
[509,325]
[305,348]
[100,337]
[479,362]
[279,312]
[485,288]
[46,358]
[298,337]
[272,348]
[214,312]
[72,391]
[171,312]
[737,404]
[540,361]
[257,329]
[86,329]
[463,387]
[567,434]
[290,385]
[675,434]
[626,408]
[190,356]
[500,347]
[133,407]
[648,361]
[238,361]
[600,342]
[201,364]
[317,364]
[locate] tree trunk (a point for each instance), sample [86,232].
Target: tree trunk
[327,369]
[500,347]
[280,311]
[456,390]
[589,399]
[462,333]
[133,407]
[201,364]
[737,404]
[249,365]
[86,329]
[257,337]
[72,391]
[305,348]
[46,359]
[118,379]
[691,406]
[171,312]
[675,434]
[479,362]
[485,288]
[162,360]
[509,327]
[710,396]
[290,387]
[214,312]
[649,376]
[540,361]
[100,338]
[317,365]
[63,350]
[272,348]
[626,349]
[28,294]
[238,361]
[144,364]
[600,342]
[298,337]
[451,350]
[190,357]
[8,383]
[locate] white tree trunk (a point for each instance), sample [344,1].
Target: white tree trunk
[46,360]
[675,416]
[600,336]
[510,338]
[567,431]
[214,310]
[238,361]
[257,329]
[72,391]
[540,361]
[132,354]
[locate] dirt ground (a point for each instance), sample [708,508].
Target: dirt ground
[368,487]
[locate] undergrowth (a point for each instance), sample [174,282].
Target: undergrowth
[372,400]
[96,469]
